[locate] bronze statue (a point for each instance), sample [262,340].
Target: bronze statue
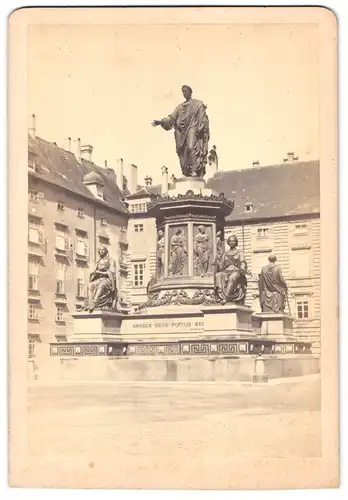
[230,274]
[102,291]
[191,130]
[272,287]
[213,156]
[178,253]
[160,254]
[202,251]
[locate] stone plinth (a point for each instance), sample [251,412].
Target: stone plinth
[163,323]
[230,319]
[273,325]
[194,184]
[96,326]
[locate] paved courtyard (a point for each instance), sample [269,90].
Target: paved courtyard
[129,429]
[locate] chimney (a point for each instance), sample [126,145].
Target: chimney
[86,152]
[290,157]
[256,163]
[77,149]
[164,180]
[67,144]
[148,181]
[133,178]
[32,128]
[119,173]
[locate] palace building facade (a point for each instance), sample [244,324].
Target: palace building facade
[75,206]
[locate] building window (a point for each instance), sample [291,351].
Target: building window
[138,207]
[300,263]
[33,195]
[35,233]
[80,213]
[80,287]
[103,221]
[32,346]
[60,281]
[301,229]
[138,274]
[60,206]
[262,232]
[248,207]
[62,240]
[33,278]
[60,314]
[81,247]
[302,309]
[33,311]
[138,228]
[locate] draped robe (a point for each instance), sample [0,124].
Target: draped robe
[272,288]
[102,285]
[202,249]
[178,253]
[230,280]
[191,131]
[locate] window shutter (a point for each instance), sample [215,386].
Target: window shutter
[66,244]
[41,237]
[86,250]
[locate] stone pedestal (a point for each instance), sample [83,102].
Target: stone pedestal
[230,320]
[260,375]
[96,326]
[273,326]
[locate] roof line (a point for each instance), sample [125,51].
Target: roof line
[91,200]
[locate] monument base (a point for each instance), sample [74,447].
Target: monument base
[173,368]
[98,326]
[274,326]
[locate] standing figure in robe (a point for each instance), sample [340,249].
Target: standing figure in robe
[202,251]
[178,253]
[191,130]
[160,254]
[230,271]
[272,287]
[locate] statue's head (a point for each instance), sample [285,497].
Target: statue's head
[178,231]
[272,258]
[160,233]
[201,229]
[102,251]
[232,241]
[186,91]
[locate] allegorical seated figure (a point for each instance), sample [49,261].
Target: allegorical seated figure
[272,287]
[230,271]
[102,291]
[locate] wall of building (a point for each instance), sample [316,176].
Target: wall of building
[142,251]
[83,226]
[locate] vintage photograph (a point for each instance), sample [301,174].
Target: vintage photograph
[174,283]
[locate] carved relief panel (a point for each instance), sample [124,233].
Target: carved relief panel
[178,250]
[160,253]
[203,249]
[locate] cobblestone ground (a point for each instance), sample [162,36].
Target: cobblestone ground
[128,431]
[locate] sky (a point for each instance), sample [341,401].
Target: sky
[106,83]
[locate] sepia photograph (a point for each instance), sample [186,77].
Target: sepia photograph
[173,248]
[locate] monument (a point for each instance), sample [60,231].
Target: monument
[273,322]
[195,324]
